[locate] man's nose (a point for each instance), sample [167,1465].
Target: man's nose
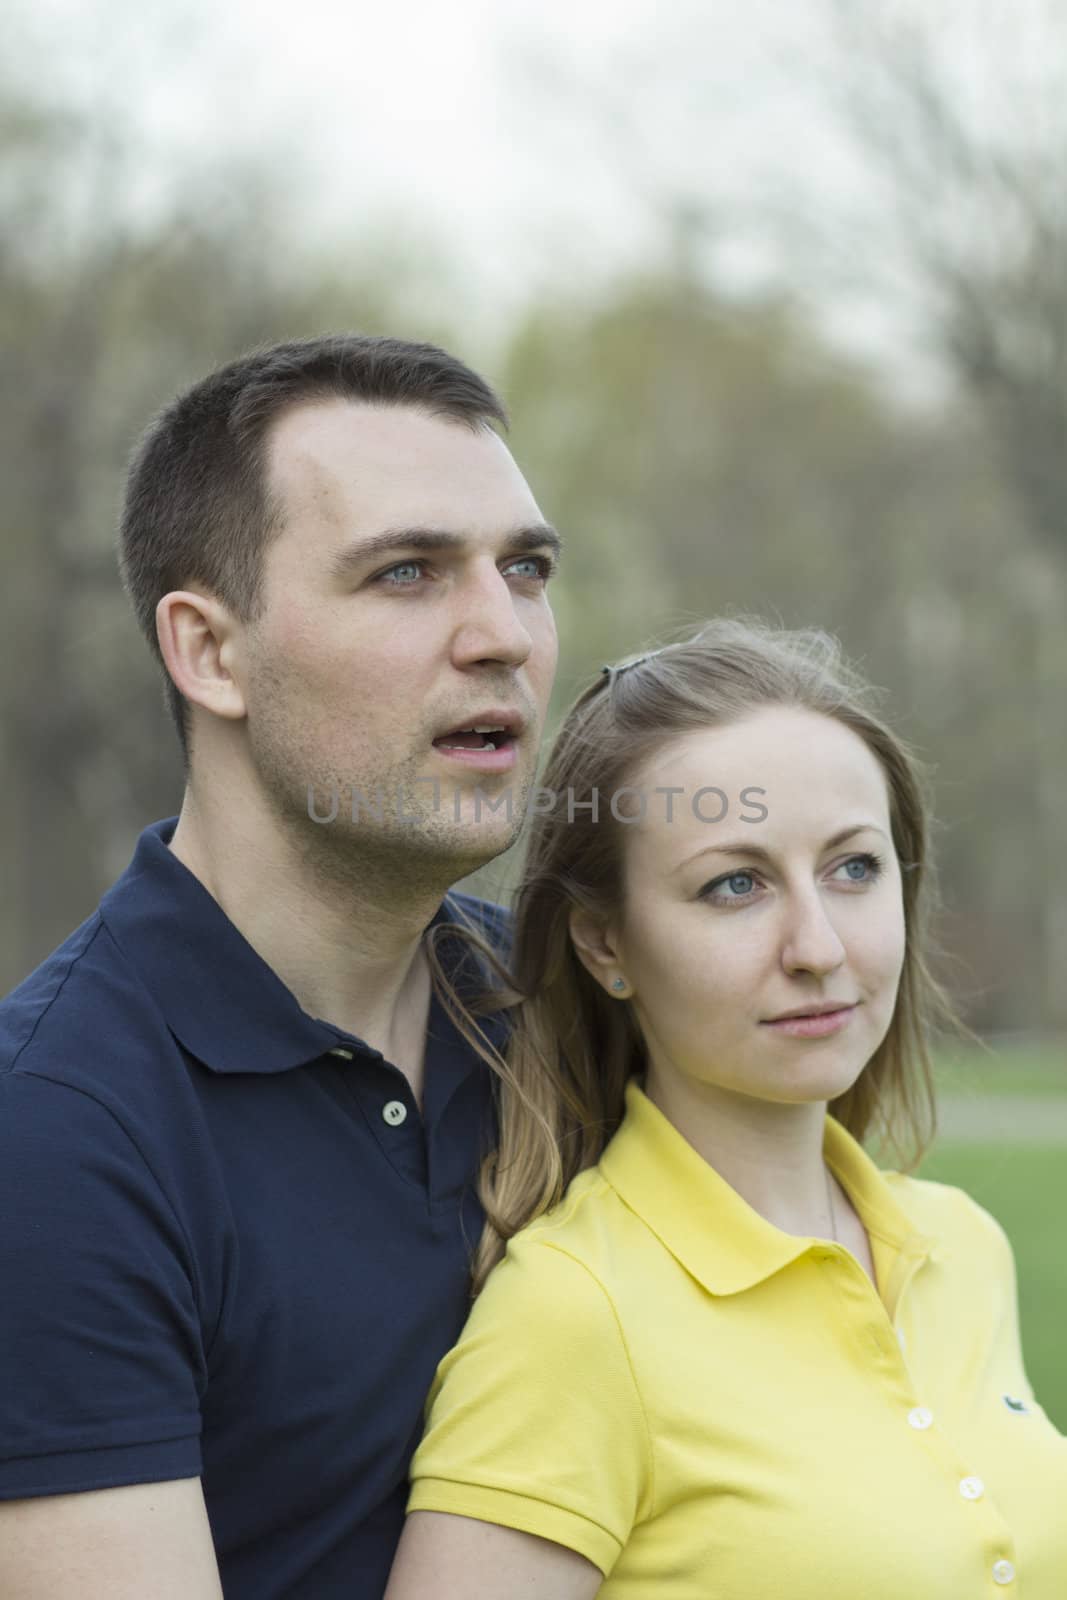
[488,626]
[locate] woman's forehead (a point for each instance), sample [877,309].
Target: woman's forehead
[784,774]
[783,740]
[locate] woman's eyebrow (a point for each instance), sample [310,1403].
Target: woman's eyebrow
[362,552]
[758,853]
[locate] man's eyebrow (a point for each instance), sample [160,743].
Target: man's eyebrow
[756,852]
[428,541]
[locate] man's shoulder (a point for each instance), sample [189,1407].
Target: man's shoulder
[80,1017]
[67,1063]
[45,993]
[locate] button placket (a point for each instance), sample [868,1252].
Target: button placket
[971,1487]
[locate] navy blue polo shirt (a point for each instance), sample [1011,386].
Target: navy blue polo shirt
[230,1245]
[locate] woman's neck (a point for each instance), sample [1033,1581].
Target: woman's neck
[769,1153]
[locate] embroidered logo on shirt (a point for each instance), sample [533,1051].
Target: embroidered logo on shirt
[1013,1404]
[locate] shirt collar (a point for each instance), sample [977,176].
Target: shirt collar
[219,997]
[706,1225]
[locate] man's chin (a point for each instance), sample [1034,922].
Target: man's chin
[476,845]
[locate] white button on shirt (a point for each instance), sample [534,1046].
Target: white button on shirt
[394,1112]
[972,1488]
[1003,1572]
[920,1417]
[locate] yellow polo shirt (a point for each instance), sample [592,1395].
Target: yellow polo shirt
[708,1408]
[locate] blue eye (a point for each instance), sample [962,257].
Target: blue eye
[870,868]
[873,866]
[731,880]
[544,567]
[403,566]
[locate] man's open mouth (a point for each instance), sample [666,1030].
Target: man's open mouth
[479,738]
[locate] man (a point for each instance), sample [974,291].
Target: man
[238,1134]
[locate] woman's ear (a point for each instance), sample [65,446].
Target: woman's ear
[597,948]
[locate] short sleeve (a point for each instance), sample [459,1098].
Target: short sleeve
[100,1345]
[534,1419]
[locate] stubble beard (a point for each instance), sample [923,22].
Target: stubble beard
[389,829]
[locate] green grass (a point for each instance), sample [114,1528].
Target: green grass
[1025,1188]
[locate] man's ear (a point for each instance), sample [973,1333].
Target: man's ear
[597,948]
[197,641]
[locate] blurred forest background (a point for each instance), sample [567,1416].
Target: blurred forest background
[704,445]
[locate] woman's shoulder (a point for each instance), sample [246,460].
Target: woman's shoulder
[948,1213]
[588,1225]
[557,1285]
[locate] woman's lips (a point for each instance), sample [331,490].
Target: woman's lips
[813,1027]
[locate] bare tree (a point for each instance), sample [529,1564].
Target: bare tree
[959,116]
[963,123]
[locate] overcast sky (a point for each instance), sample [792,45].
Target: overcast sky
[535,141]
[488,124]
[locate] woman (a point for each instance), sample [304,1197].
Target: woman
[726,1355]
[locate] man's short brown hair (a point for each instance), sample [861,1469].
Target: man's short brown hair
[197,507]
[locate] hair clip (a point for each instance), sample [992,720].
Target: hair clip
[613,672]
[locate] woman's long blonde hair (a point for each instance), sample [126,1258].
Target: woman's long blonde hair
[560,1082]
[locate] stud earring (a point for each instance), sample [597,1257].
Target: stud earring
[619,983]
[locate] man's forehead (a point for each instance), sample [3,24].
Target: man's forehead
[323,455]
[333,430]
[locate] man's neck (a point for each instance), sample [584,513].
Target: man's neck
[349,948]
